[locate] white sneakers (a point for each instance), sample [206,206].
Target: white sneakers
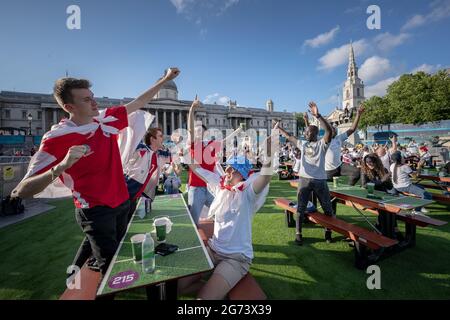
[421,212]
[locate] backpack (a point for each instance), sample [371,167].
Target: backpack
[12,206]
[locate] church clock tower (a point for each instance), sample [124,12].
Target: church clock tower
[353,94]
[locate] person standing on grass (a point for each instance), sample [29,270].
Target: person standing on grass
[238,195]
[83,153]
[333,160]
[204,153]
[313,177]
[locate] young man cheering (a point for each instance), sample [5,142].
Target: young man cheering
[83,153]
[313,177]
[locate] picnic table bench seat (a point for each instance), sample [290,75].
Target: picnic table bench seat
[356,233]
[247,288]
[367,243]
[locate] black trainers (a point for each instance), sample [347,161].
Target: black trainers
[328,238]
[299,240]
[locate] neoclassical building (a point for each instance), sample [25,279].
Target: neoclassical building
[21,111]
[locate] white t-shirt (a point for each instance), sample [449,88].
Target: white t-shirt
[234,211]
[297,165]
[403,179]
[313,159]
[386,161]
[333,155]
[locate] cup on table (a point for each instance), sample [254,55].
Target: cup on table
[163,226]
[335,182]
[136,243]
[370,187]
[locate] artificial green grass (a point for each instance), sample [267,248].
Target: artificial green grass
[36,253]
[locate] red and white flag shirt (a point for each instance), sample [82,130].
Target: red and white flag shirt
[97,178]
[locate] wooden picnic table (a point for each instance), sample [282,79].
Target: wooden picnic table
[387,207]
[191,258]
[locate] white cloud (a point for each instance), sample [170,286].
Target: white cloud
[427,68]
[414,22]
[333,100]
[379,88]
[219,6]
[440,10]
[181,5]
[387,41]
[216,98]
[374,68]
[322,39]
[338,56]
[228,4]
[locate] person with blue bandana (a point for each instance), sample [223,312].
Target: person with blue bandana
[238,194]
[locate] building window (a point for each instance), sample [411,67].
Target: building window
[357,90]
[24,114]
[258,123]
[224,122]
[39,115]
[348,94]
[7,114]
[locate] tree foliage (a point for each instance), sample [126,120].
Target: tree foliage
[413,99]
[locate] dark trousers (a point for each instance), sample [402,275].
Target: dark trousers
[320,189]
[330,175]
[104,228]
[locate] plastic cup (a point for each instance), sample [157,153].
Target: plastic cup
[136,243]
[335,182]
[163,226]
[370,188]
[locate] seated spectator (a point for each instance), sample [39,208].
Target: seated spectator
[402,181]
[372,170]
[172,182]
[425,155]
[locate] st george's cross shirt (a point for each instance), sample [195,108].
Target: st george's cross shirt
[97,178]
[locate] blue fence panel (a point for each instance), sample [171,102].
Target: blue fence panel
[12,139]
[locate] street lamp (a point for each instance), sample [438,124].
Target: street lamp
[30,118]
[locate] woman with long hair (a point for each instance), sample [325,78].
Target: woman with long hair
[372,170]
[402,181]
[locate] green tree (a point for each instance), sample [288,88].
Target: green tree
[419,98]
[377,113]
[413,99]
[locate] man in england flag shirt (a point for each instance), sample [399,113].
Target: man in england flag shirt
[83,153]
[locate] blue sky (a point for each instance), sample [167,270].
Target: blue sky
[247,50]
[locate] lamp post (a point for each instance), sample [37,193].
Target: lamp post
[30,118]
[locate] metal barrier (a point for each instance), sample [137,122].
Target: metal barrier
[12,171]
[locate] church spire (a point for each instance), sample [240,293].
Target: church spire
[352,69]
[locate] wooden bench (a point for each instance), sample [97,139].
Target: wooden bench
[247,288]
[363,239]
[89,283]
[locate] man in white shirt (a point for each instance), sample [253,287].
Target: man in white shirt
[333,160]
[313,177]
[238,195]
